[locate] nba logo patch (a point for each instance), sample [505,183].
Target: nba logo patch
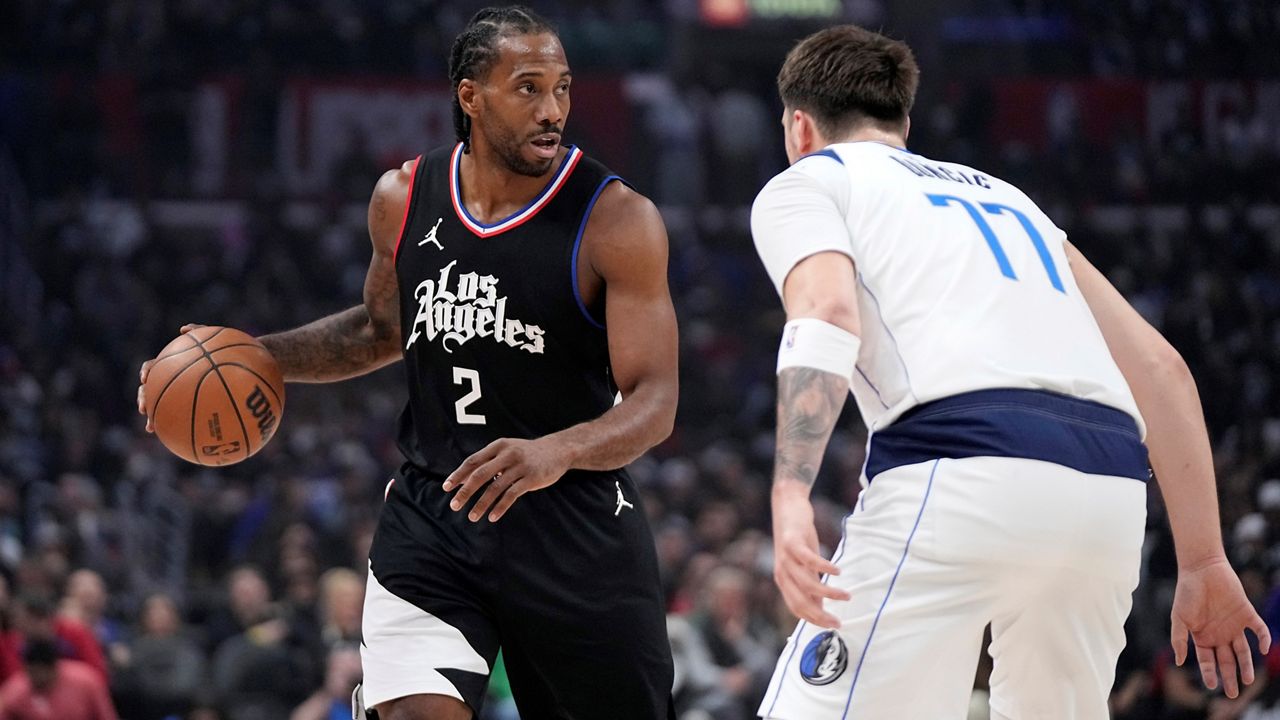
[790,340]
[824,659]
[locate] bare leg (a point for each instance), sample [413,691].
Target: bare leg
[424,707]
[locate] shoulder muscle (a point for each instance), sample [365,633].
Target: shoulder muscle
[388,204]
[625,233]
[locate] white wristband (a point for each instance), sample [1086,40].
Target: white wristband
[814,343]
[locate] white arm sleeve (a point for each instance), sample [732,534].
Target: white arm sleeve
[801,212]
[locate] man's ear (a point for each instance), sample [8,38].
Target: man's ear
[805,135]
[469,96]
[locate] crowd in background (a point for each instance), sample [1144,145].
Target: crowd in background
[1173,38]
[147,588]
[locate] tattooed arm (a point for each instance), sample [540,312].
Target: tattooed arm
[821,286]
[366,337]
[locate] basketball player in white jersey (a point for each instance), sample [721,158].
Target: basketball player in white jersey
[1008,390]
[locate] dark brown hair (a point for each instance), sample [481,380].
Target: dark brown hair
[475,50]
[846,76]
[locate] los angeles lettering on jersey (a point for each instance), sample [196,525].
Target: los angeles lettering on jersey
[472,310]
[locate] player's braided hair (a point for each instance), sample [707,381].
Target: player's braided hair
[476,49]
[846,75]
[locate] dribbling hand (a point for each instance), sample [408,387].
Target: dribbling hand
[142,379]
[1211,605]
[797,566]
[509,468]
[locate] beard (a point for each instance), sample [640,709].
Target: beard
[510,149]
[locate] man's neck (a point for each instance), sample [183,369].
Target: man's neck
[873,134]
[492,191]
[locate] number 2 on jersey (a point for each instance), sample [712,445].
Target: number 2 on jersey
[461,375]
[993,242]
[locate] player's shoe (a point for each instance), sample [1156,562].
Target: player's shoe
[358,711]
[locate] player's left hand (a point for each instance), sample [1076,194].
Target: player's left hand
[797,566]
[1210,605]
[509,468]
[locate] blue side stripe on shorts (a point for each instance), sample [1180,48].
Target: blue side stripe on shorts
[1031,424]
[893,581]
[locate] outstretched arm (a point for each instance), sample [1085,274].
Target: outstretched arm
[355,341]
[625,245]
[1209,601]
[366,337]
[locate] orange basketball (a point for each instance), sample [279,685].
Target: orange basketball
[215,396]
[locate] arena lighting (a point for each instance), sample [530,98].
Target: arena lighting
[740,12]
[769,9]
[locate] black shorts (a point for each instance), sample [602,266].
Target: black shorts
[566,584]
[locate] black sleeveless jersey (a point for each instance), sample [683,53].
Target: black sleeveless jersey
[497,341]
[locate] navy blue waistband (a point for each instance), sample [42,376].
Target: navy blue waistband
[1031,424]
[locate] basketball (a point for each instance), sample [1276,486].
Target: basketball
[215,395]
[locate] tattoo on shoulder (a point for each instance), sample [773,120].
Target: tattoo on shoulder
[380,207]
[809,402]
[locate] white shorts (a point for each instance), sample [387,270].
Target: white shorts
[935,551]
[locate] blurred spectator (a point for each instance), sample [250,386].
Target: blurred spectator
[54,689]
[206,711]
[341,606]
[264,669]
[164,669]
[36,619]
[333,701]
[86,603]
[699,690]
[732,636]
[248,603]
[10,641]
[1131,696]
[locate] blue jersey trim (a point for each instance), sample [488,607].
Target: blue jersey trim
[577,243]
[1032,424]
[827,152]
[893,581]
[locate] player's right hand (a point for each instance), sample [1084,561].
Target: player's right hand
[1210,604]
[797,566]
[142,379]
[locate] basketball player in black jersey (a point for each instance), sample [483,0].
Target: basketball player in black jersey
[525,286]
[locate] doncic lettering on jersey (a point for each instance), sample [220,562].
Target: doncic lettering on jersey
[923,169]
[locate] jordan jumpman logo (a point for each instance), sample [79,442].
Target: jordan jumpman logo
[622,501]
[431,236]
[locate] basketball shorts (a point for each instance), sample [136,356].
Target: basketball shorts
[937,549]
[566,584]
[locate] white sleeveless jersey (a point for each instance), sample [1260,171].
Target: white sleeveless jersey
[963,283]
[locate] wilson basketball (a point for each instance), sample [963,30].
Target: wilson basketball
[215,396]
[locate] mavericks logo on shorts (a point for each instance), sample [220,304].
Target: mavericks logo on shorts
[824,659]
